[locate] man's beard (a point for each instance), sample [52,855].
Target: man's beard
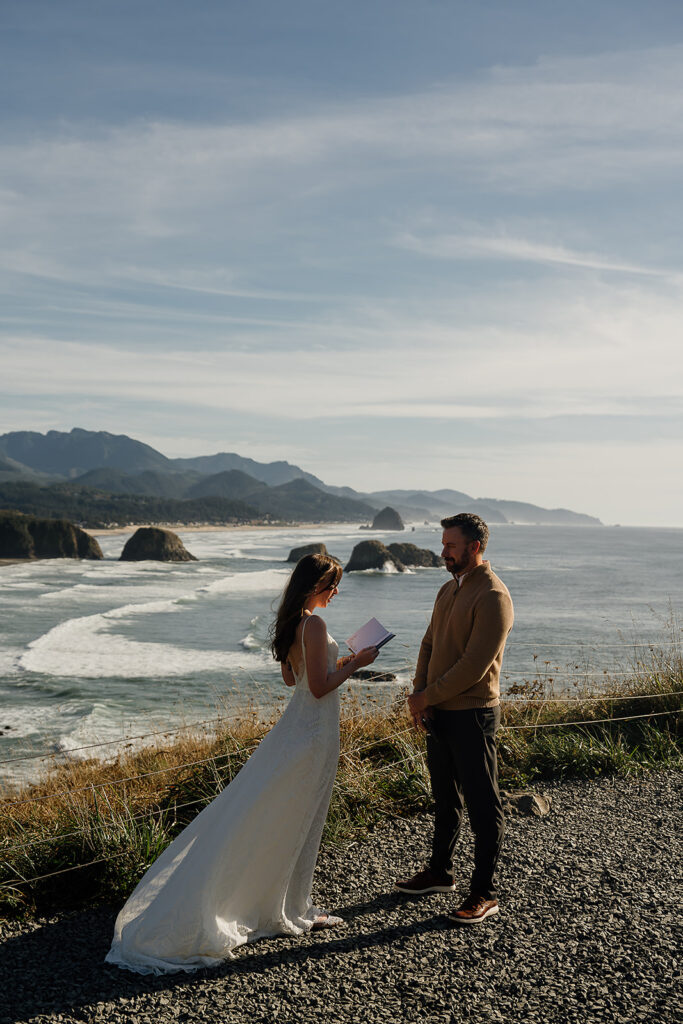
[456,568]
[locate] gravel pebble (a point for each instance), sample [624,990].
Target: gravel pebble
[590,899]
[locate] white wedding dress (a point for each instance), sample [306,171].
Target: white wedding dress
[243,869]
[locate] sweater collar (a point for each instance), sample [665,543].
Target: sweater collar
[473,572]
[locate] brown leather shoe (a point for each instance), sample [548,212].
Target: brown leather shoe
[426,881]
[474,910]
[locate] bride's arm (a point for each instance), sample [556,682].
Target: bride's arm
[287,673]
[320,680]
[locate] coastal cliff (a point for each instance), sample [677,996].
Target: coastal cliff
[24,536]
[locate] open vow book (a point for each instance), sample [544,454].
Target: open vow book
[372,634]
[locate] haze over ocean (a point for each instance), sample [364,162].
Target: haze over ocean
[96,651]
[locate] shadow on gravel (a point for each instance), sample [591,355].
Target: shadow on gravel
[386,901]
[59,967]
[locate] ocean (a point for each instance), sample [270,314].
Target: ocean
[94,652]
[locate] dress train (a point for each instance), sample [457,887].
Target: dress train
[243,868]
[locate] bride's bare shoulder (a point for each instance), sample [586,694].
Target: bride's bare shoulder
[315,628]
[315,632]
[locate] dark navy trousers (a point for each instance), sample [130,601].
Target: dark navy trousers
[463,767]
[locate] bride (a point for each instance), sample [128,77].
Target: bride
[243,868]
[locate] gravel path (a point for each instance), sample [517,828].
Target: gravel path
[590,900]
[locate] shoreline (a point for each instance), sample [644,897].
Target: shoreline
[114,531]
[107,531]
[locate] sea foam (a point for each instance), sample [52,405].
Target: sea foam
[88,648]
[262,582]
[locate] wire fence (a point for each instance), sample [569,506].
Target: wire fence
[579,673]
[601,644]
[589,721]
[588,700]
[124,739]
[221,720]
[217,759]
[392,766]
[349,754]
[91,787]
[525,702]
[204,723]
[346,754]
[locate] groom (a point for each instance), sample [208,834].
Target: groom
[455,699]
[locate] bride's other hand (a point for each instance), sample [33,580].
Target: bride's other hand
[366,656]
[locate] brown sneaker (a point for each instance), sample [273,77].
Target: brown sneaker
[426,881]
[474,910]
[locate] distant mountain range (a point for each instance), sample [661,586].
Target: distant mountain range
[98,473]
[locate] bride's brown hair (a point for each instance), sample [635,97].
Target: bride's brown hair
[312,574]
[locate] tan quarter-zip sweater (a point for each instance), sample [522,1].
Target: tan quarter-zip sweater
[461,653]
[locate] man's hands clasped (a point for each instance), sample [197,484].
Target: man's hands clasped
[419,711]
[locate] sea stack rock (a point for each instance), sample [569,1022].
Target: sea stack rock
[375,677]
[410,554]
[28,537]
[157,545]
[388,519]
[372,554]
[306,549]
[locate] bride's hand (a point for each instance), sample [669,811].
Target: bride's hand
[366,656]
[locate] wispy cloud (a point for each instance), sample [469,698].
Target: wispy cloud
[573,124]
[600,355]
[522,250]
[211,281]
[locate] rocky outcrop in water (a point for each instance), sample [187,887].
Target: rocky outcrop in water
[155,544]
[387,519]
[410,554]
[374,677]
[24,536]
[372,554]
[306,549]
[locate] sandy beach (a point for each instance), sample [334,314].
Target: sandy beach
[112,531]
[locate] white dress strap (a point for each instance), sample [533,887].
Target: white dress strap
[303,629]
[303,647]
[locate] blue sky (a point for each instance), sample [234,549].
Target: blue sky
[422,244]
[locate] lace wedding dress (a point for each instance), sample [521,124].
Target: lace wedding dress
[243,868]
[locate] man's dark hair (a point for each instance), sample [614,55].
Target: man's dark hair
[470,525]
